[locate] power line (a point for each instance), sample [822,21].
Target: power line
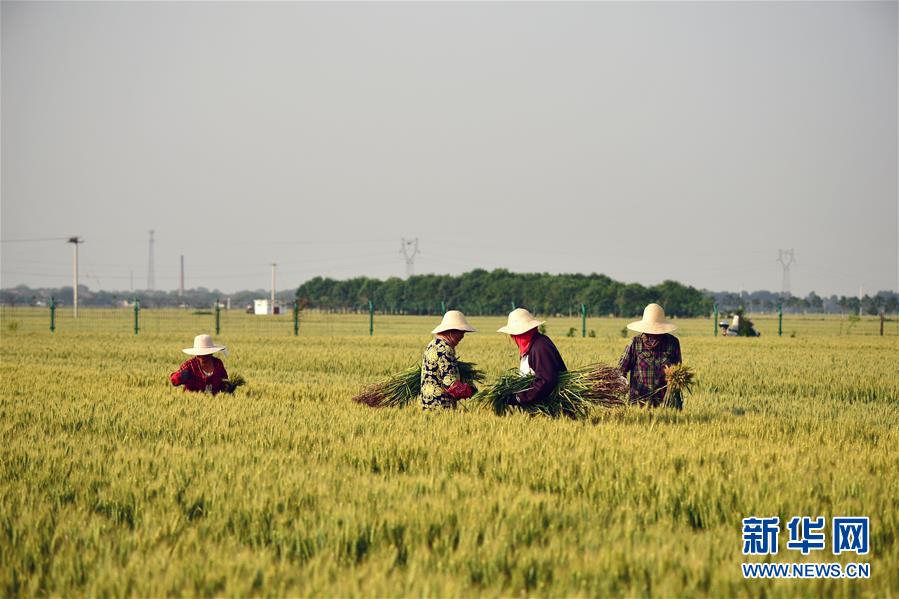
[34,240]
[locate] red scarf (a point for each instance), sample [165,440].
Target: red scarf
[524,341]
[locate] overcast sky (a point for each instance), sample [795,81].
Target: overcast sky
[646,141]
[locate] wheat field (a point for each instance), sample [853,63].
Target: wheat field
[113,483]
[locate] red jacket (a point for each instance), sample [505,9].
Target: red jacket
[196,380]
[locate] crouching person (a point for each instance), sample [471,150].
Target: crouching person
[648,354]
[538,356]
[203,372]
[441,386]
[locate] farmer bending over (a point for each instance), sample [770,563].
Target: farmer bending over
[648,354]
[203,372]
[538,354]
[441,386]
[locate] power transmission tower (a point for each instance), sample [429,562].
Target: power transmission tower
[151,269]
[75,241]
[786,258]
[409,250]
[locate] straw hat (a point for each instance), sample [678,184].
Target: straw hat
[203,346]
[520,321]
[653,322]
[454,321]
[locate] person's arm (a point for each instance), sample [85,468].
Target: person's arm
[450,378]
[626,364]
[182,375]
[676,356]
[546,365]
[223,383]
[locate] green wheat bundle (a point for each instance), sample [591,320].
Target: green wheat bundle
[404,387]
[233,382]
[577,393]
[679,379]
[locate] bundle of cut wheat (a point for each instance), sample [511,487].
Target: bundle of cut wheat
[679,379]
[403,387]
[577,393]
[233,382]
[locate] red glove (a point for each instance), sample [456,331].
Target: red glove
[460,390]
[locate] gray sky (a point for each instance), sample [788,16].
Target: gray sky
[646,141]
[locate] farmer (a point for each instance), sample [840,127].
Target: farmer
[648,354]
[538,354]
[441,386]
[203,372]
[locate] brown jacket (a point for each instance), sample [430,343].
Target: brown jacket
[547,364]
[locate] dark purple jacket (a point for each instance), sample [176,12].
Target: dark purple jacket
[546,362]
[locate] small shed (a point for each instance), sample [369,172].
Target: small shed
[261,306]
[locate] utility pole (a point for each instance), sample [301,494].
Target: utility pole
[409,250]
[181,287]
[273,287]
[151,274]
[75,241]
[861,294]
[786,258]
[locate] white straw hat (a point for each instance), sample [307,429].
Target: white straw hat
[520,321]
[653,321]
[454,321]
[203,346]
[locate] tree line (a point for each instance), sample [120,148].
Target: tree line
[496,292]
[477,292]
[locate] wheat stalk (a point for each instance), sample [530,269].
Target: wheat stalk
[575,396]
[404,387]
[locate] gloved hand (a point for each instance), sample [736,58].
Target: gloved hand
[513,401]
[460,390]
[184,375]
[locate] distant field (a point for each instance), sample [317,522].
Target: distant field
[112,482]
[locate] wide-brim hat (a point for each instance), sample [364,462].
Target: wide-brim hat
[520,321]
[653,322]
[454,321]
[203,346]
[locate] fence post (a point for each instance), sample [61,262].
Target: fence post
[296,317]
[136,315]
[583,320]
[715,323]
[881,323]
[218,317]
[780,319]
[53,315]
[371,318]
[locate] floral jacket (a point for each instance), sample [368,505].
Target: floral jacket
[438,372]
